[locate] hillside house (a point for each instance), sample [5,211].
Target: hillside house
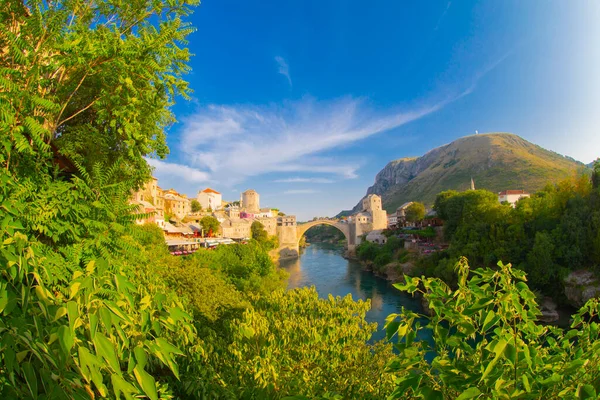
[512,196]
[210,199]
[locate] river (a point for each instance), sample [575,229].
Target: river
[322,265]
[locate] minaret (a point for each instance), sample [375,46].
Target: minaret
[472,184]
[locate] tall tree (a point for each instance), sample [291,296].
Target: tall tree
[258,232]
[196,206]
[210,225]
[415,212]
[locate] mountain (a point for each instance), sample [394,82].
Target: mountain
[495,161]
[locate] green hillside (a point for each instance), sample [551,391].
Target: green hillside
[495,161]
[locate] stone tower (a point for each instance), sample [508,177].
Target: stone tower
[251,201]
[372,204]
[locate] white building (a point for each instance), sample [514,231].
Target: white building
[512,196]
[264,213]
[209,199]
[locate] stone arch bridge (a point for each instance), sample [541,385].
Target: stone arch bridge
[289,236]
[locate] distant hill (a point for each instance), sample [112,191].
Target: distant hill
[495,161]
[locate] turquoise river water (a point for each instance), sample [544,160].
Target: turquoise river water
[322,265]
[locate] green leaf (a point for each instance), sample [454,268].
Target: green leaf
[498,349]
[469,393]
[65,338]
[105,349]
[510,353]
[526,383]
[391,328]
[431,394]
[73,312]
[30,378]
[587,392]
[120,385]
[146,381]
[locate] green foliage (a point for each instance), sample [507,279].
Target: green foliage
[258,232]
[293,343]
[196,206]
[210,225]
[382,255]
[367,251]
[553,232]
[94,83]
[324,233]
[415,212]
[74,324]
[487,342]
[262,237]
[247,266]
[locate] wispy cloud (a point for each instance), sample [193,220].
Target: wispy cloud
[230,143]
[441,18]
[301,191]
[177,172]
[304,180]
[486,70]
[284,68]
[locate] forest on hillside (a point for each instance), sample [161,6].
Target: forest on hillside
[92,304]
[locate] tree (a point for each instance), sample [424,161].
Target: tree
[596,174]
[258,232]
[196,206]
[210,225]
[93,83]
[415,212]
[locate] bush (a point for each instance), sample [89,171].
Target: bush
[487,342]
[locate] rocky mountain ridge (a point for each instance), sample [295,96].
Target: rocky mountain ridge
[495,161]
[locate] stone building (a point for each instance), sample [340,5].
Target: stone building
[210,199]
[236,228]
[232,212]
[286,231]
[150,200]
[176,205]
[269,223]
[250,201]
[400,214]
[372,206]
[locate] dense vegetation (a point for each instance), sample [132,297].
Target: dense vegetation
[260,235]
[554,232]
[94,306]
[324,234]
[378,256]
[487,344]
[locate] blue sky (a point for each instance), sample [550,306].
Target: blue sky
[305,101]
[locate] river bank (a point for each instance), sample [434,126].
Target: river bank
[394,273]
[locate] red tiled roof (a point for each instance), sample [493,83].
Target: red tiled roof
[209,190]
[507,192]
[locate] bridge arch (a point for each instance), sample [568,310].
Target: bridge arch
[342,227]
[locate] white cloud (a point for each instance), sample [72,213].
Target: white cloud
[284,68]
[300,191]
[177,172]
[234,142]
[304,180]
